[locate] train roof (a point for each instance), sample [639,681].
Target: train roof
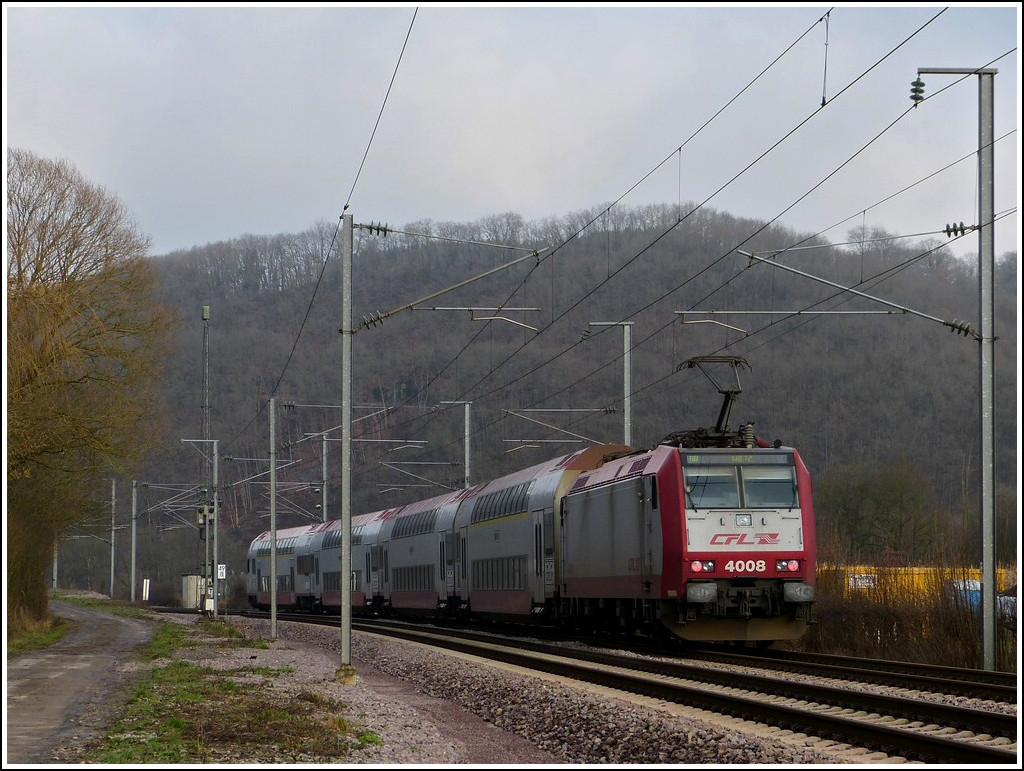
[424,505]
[582,460]
[290,532]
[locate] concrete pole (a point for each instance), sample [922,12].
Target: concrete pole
[113,510]
[323,489]
[466,434]
[206,548]
[345,671]
[216,527]
[273,526]
[627,384]
[986,315]
[986,257]
[206,465]
[135,500]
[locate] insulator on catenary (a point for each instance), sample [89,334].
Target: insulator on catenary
[747,434]
[960,327]
[917,91]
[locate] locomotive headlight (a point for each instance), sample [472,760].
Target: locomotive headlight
[787,566]
[744,520]
[702,566]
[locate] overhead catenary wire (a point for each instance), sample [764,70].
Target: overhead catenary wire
[493,370]
[330,248]
[905,189]
[841,296]
[667,231]
[961,327]
[888,272]
[553,251]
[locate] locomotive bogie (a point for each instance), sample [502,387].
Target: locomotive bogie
[789,627]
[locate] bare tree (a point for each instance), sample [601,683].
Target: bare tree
[84,340]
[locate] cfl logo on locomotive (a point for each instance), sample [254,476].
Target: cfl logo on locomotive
[742,539]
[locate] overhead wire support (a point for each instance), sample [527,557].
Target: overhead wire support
[556,428]
[683,314]
[380,317]
[417,476]
[468,241]
[474,317]
[960,327]
[534,444]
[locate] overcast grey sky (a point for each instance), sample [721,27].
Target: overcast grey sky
[213,122]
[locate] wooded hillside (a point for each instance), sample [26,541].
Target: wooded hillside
[882,399]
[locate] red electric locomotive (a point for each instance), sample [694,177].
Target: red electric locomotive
[712,542]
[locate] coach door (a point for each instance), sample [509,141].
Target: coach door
[375,571]
[649,529]
[543,579]
[461,568]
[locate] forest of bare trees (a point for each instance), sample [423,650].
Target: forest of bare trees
[883,405]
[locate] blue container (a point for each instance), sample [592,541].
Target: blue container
[967,592]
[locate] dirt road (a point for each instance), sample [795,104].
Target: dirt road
[64,694]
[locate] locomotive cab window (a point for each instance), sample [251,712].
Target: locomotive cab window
[713,488]
[769,488]
[740,480]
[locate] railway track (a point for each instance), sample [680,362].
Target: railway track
[747,686]
[924,678]
[953,681]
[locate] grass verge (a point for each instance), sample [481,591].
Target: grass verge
[188,713]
